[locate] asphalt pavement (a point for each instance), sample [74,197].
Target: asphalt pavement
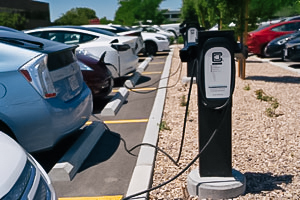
[109,171]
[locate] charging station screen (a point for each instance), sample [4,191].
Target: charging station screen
[217,73]
[192,35]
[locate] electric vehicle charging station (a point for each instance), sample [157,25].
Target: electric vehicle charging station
[189,31]
[215,75]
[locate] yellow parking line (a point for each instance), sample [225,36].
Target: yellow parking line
[126,121]
[146,73]
[93,198]
[88,123]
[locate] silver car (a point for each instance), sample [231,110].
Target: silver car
[43,96]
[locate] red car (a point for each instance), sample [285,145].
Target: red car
[95,74]
[258,39]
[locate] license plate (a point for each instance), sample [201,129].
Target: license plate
[73,83]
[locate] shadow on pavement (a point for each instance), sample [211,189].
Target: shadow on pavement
[258,182]
[295,66]
[103,150]
[278,79]
[49,158]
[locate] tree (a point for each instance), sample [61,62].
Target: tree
[76,16]
[188,11]
[132,11]
[104,20]
[13,20]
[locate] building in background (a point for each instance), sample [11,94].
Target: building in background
[37,13]
[173,15]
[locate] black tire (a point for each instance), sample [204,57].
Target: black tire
[263,52]
[174,34]
[150,48]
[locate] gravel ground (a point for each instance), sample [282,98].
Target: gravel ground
[265,148]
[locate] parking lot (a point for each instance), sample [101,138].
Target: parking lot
[108,168]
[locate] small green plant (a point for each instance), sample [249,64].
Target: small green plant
[247,87]
[183,101]
[172,39]
[270,112]
[164,126]
[180,40]
[259,94]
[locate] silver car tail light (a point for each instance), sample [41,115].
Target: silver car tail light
[36,72]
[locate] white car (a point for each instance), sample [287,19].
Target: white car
[174,28]
[156,29]
[120,51]
[154,42]
[116,30]
[22,177]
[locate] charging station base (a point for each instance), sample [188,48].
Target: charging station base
[216,187]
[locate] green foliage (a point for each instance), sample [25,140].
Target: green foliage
[131,11]
[247,87]
[188,11]
[76,16]
[180,40]
[223,12]
[183,101]
[105,21]
[13,20]
[271,111]
[164,126]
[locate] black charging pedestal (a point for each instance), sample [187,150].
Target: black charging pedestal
[215,177]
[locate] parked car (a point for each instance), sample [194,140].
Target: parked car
[43,96]
[121,31]
[258,39]
[156,29]
[174,28]
[153,42]
[275,47]
[291,18]
[291,50]
[95,73]
[22,177]
[120,51]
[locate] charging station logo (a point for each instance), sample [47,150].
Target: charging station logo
[217,57]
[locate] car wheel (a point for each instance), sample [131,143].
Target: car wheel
[174,34]
[263,51]
[150,48]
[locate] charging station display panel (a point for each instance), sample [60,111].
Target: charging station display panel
[217,73]
[192,35]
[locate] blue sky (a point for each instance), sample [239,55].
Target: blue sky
[103,8]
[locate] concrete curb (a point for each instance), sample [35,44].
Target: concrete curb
[130,83]
[70,163]
[113,107]
[142,174]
